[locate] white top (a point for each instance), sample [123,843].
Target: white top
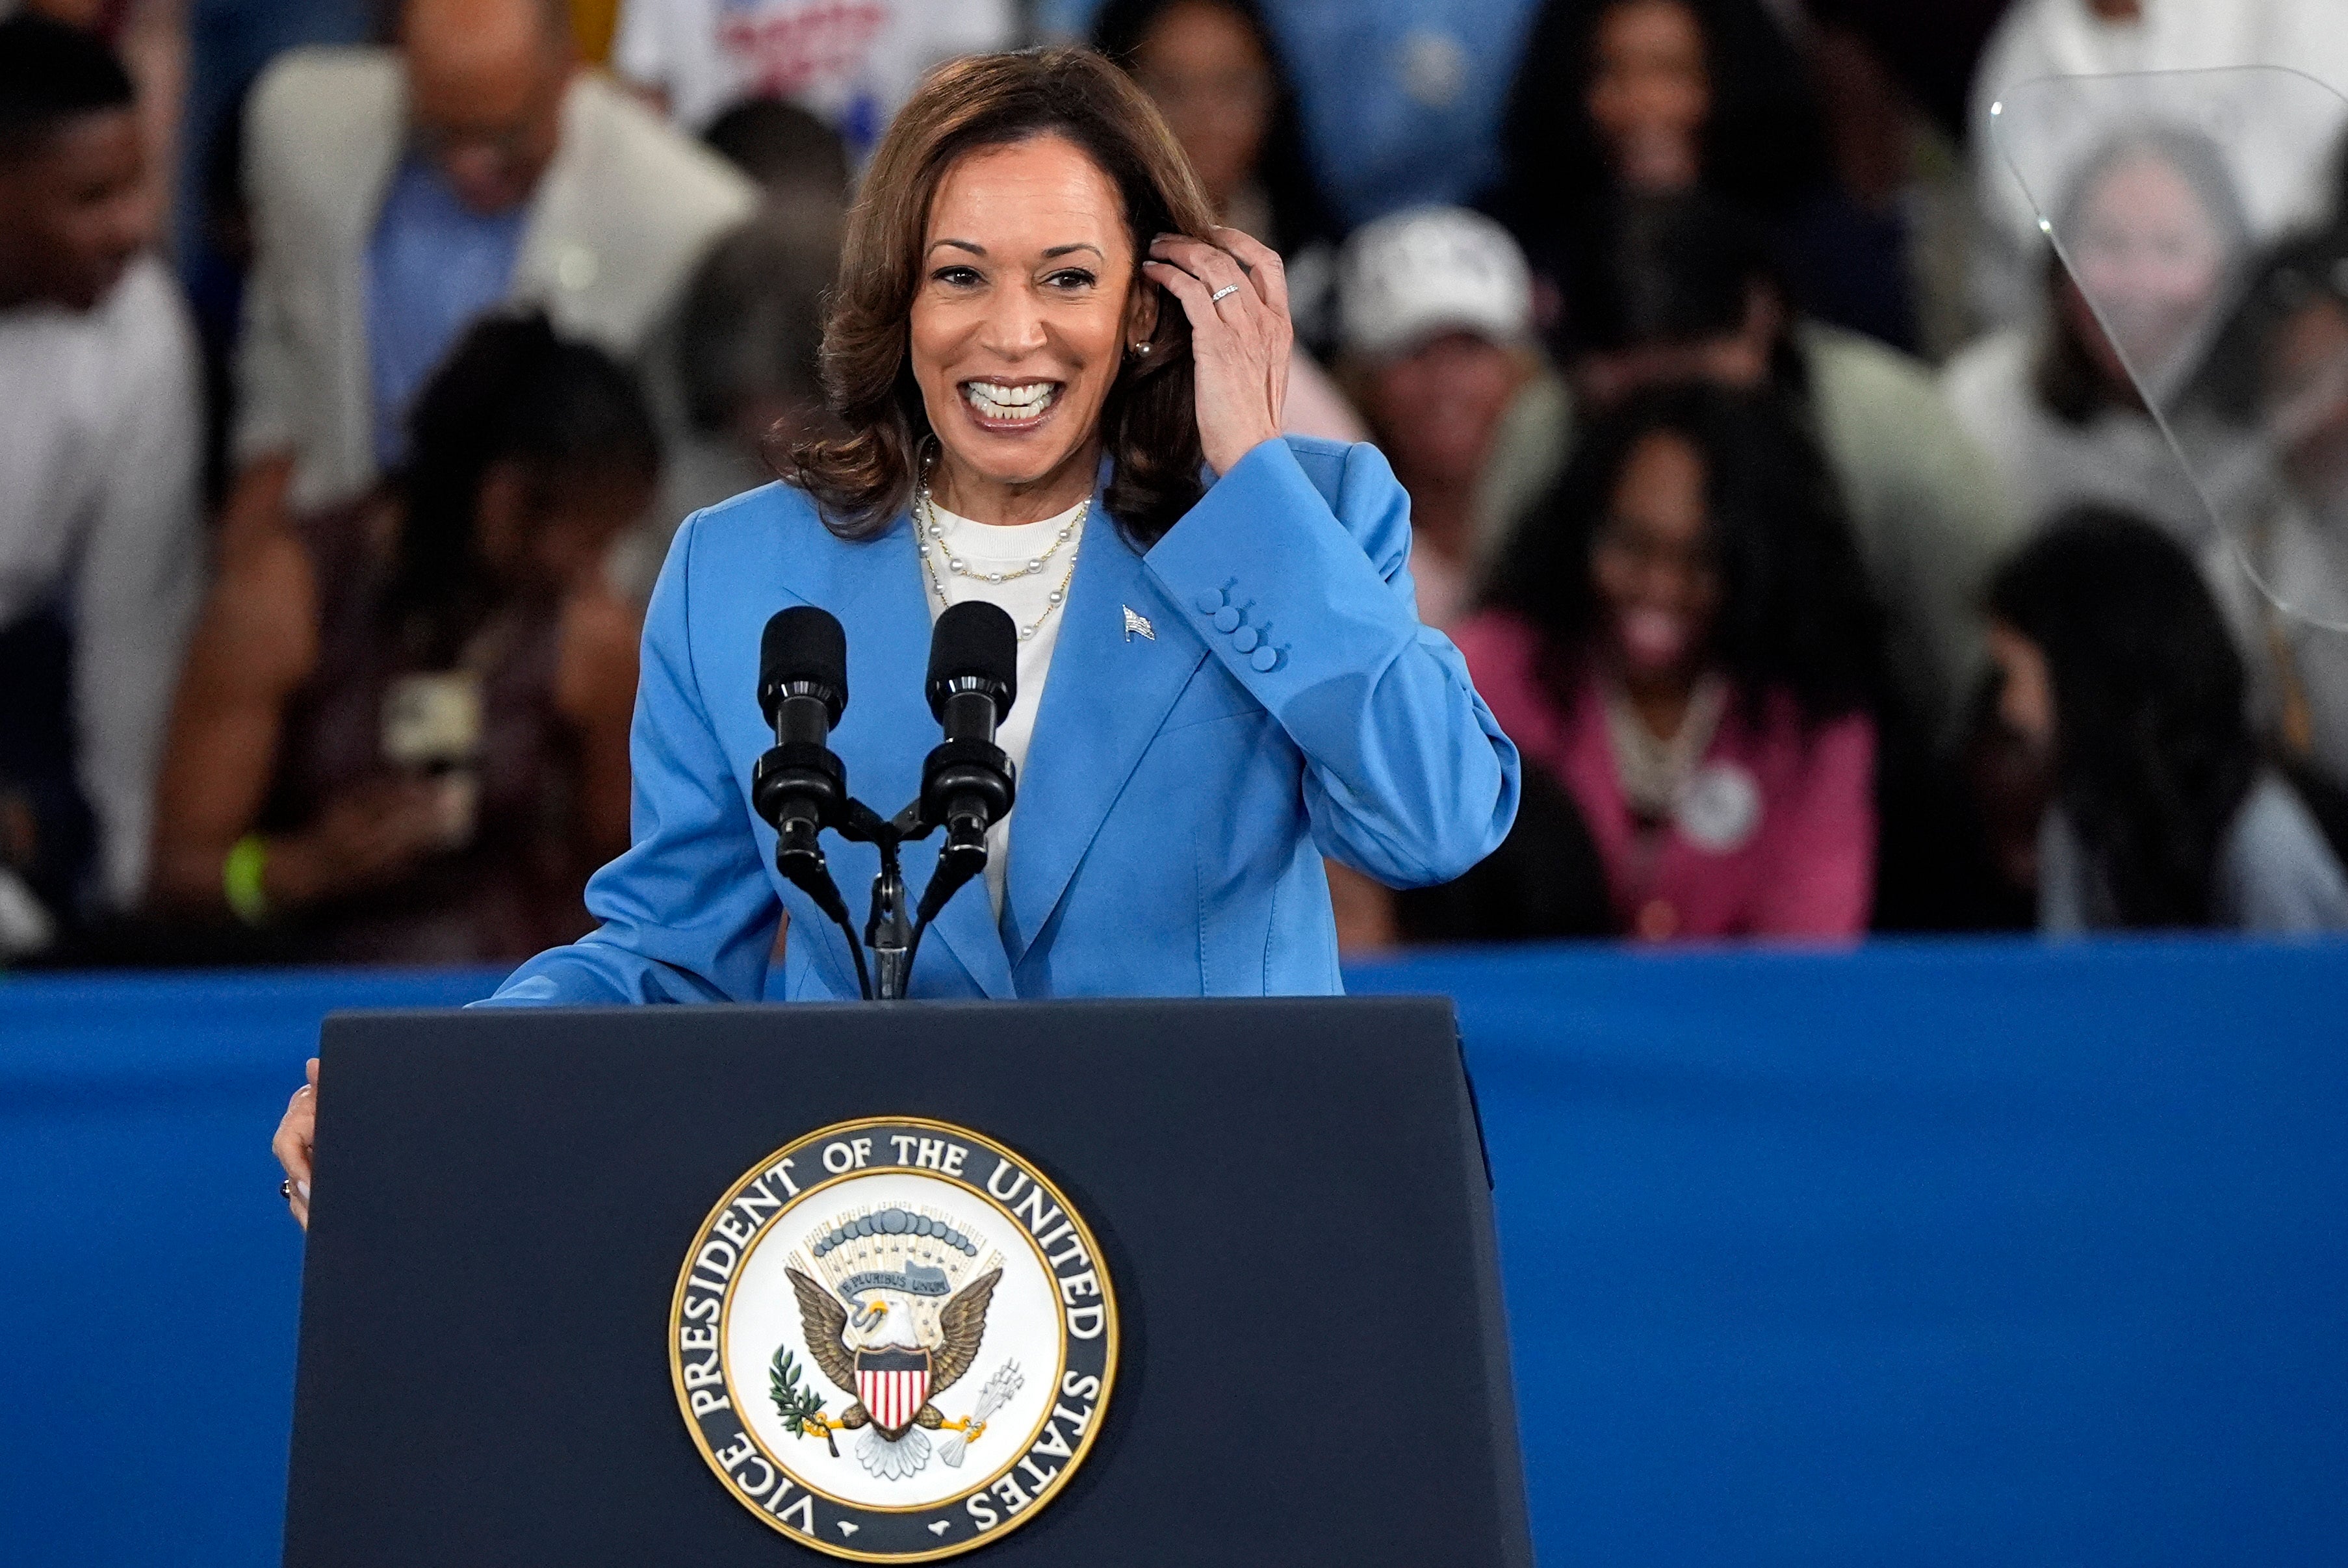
[2118,457]
[1027,599]
[853,65]
[100,463]
[2276,875]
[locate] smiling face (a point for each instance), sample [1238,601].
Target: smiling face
[1438,408]
[1652,563]
[1650,93]
[1027,299]
[73,212]
[2151,258]
[1200,64]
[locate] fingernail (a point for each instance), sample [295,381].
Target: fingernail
[302,1188]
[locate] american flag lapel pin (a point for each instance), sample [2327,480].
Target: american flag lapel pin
[1138,623]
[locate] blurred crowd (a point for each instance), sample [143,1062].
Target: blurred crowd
[1841,556]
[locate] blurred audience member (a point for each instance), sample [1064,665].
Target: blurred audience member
[852,64]
[397,195]
[1400,100]
[1214,70]
[402,734]
[2279,379]
[2119,679]
[1211,68]
[791,155]
[1620,99]
[1683,638]
[1682,289]
[100,536]
[150,39]
[748,354]
[231,43]
[2158,233]
[1903,170]
[2043,39]
[1435,328]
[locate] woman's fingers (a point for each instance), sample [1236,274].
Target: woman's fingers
[1187,288]
[1240,338]
[294,1142]
[1265,269]
[1213,266]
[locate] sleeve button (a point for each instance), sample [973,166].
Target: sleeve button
[1227,619]
[1210,602]
[1246,638]
[1265,659]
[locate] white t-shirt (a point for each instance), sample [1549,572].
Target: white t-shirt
[853,62]
[1028,600]
[101,457]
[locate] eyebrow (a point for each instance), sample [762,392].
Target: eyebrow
[976,249]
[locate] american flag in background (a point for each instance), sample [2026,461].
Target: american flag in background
[894,1385]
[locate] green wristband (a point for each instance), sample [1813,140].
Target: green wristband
[241,880]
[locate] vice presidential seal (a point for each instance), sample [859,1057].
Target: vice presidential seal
[893,1340]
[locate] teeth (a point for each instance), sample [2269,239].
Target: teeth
[993,400]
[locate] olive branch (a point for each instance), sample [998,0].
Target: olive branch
[796,1406]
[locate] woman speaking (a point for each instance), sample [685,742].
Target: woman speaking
[1061,388]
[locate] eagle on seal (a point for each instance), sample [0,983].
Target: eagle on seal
[871,1347]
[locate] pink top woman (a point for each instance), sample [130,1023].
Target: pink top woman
[1682,640]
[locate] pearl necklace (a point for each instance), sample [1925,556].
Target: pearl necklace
[932,531]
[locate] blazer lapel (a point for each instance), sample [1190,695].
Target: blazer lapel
[886,732]
[1107,694]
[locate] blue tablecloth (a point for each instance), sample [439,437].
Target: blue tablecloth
[1925,1254]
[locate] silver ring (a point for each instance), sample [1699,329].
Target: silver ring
[286,1188]
[1219,294]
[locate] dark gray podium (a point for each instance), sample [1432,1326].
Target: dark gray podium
[1290,1196]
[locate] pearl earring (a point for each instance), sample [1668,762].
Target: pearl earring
[1141,348]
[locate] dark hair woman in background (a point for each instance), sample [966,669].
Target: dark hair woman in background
[1681,637]
[1628,99]
[402,732]
[2119,678]
[1214,71]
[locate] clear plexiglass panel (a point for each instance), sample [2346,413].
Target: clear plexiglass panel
[2198,214]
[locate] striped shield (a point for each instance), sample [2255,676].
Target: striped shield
[894,1385]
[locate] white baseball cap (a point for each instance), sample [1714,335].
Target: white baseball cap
[1410,275]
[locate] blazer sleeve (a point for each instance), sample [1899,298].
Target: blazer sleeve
[1303,591]
[687,912]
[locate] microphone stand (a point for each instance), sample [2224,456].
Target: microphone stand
[894,938]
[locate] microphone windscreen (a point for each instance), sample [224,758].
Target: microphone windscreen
[975,641]
[803,646]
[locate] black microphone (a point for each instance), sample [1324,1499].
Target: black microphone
[801,785]
[968,785]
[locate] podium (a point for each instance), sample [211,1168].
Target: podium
[1289,1219]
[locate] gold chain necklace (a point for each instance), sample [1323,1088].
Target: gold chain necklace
[932,531]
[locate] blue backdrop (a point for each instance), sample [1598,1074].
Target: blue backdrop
[1925,1255]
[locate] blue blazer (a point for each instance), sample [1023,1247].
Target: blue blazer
[1251,693]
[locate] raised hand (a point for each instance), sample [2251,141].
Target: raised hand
[1235,292]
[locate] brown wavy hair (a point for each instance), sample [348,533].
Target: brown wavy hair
[861,480]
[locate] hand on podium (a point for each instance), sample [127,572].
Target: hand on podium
[296,1131]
